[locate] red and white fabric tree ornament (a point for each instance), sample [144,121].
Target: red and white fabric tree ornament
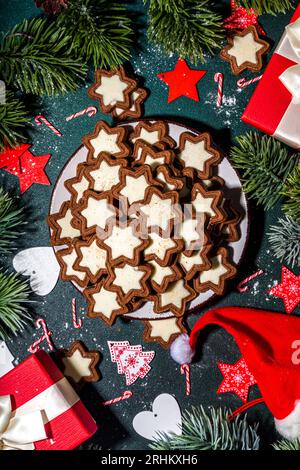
[267,343]
[131,361]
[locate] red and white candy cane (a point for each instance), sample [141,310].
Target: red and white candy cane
[76,323]
[241,286]
[219,78]
[185,369]
[41,323]
[90,111]
[42,120]
[242,83]
[125,395]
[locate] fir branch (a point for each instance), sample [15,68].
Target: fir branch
[266,166]
[13,117]
[284,239]
[14,298]
[11,222]
[272,7]
[211,430]
[186,27]
[285,444]
[292,192]
[35,57]
[100,30]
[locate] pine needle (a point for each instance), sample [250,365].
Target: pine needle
[284,239]
[101,31]
[210,430]
[13,117]
[35,57]
[287,445]
[11,222]
[292,192]
[188,28]
[14,298]
[272,7]
[266,166]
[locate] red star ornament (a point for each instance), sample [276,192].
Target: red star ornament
[237,379]
[182,81]
[32,170]
[10,157]
[288,289]
[241,18]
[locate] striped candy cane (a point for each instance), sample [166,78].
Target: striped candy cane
[242,83]
[125,395]
[185,369]
[90,111]
[241,286]
[76,323]
[42,120]
[219,78]
[41,323]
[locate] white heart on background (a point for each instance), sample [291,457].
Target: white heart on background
[41,265]
[165,417]
[6,359]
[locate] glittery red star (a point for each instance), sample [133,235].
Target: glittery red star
[31,170]
[10,157]
[182,81]
[241,18]
[237,379]
[288,289]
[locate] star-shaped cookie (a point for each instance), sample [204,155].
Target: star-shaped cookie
[63,225]
[91,258]
[106,139]
[245,51]
[129,281]
[215,277]
[124,244]
[79,364]
[175,298]
[163,331]
[160,210]
[197,153]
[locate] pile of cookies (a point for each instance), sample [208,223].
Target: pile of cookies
[146,220]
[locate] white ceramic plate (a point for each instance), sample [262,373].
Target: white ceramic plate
[233,191]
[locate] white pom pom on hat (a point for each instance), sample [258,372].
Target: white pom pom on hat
[266,341]
[181,350]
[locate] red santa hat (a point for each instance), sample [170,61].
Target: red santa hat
[268,342]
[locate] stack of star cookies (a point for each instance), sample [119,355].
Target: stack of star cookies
[147,220]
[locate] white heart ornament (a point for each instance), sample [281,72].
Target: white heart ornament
[165,417]
[41,265]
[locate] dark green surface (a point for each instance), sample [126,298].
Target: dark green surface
[115,423]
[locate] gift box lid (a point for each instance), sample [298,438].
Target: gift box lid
[36,375]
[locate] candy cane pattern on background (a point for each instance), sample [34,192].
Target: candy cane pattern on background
[219,78]
[185,369]
[240,286]
[125,395]
[42,120]
[76,323]
[242,83]
[41,323]
[90,111]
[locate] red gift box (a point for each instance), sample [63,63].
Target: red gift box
[38,386]
[275,105]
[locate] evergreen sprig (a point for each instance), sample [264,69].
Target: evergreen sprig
[266,166]
[35,57]
[185,27]
[14,298]
[11,222]
[272,7]
[100,30]
[284,238]
[13,117]
[210,430]
[284,444]
[292,193]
